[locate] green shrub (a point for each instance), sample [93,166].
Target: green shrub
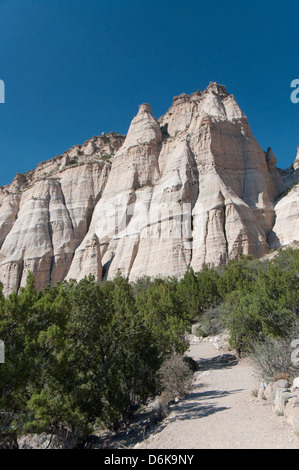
[175,377]
[210,323]
[272,358]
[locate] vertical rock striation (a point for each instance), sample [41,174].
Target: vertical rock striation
[190,188]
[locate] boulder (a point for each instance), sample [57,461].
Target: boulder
[295,385]
[272,387]
[282,396]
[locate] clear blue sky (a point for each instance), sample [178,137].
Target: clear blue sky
[76,68]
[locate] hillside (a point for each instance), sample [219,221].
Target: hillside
[192,187]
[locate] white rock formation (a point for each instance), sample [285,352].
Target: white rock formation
[190,188]
[286,227]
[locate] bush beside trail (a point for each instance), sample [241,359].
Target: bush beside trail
[83,355]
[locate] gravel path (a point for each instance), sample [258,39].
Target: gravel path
[220,412]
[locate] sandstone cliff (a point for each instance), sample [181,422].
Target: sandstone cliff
[190,188]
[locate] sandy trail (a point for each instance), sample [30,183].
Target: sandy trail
[220,412]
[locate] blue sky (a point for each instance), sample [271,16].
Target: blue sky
[74,69]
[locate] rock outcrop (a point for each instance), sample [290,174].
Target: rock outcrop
[45,214]
[190,188]
[296,162]
[286,227]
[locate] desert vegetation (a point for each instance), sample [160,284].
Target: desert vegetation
[83,355]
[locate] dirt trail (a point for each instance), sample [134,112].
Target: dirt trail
[220,412]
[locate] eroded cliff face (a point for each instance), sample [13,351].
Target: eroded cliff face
[45,214]
[190,188]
